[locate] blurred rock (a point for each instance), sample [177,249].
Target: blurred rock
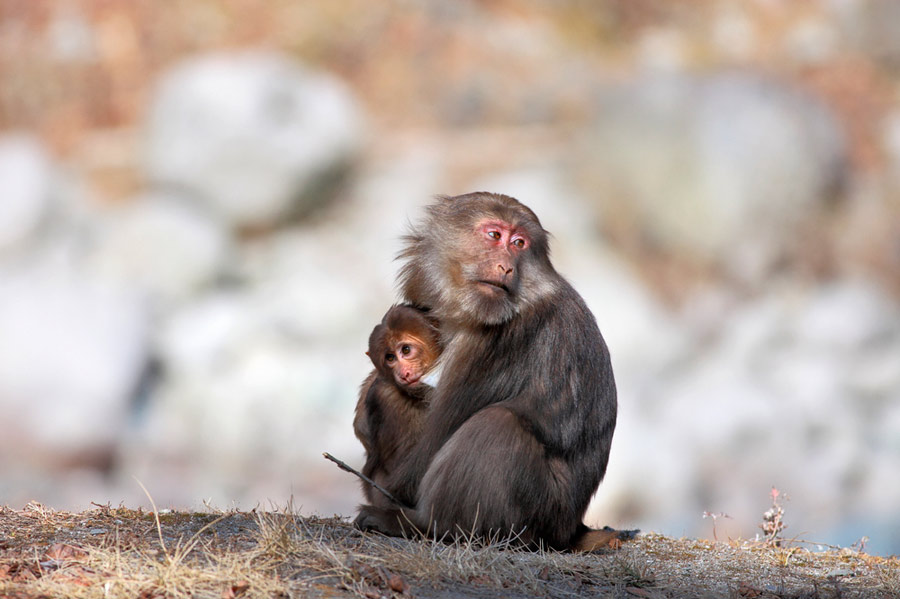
[162,246]
[269,399]
[700,161]
[244,400]
[796,390]
[255,136]
[872,26]
[813,40]
[876,374]
[25,180]
[204,334]
[71,37]
[72,353]
[662,49]
[315,284]
[847,317]
[389,193]
[734,35]
[891,142]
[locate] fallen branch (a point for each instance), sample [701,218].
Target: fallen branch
[363,477]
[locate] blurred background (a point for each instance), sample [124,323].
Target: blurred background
[200,203]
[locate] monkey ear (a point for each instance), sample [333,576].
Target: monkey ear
[433,322]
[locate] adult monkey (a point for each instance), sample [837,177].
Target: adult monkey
[522,418]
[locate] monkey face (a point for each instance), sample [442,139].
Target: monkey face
[406,360]
[404,347]
[499,245]
[478,259]
[490,274]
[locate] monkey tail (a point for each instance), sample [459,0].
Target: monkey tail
[588,539]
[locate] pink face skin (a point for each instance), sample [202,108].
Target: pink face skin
[501,234]
[503,243]
[406,363]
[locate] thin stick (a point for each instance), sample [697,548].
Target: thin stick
[362,477]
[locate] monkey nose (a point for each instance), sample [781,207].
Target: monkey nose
[504,269]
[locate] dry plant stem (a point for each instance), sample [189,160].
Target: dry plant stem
[180,552]
[156,517]
[363,477]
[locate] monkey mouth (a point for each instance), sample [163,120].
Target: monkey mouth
[494,285]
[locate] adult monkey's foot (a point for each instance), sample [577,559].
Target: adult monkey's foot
[605,538]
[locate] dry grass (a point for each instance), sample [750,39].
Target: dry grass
[118,552]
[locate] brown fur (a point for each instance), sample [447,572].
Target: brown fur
[521,422]
[390,413]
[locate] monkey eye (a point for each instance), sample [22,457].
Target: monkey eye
[389,358]
[519,243]
[495,235]
[405,349]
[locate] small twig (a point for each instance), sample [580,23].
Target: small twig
[363,477]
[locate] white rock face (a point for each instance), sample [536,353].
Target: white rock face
[251,134]
[890,134]
[246,398]
[870,26]
[316,284]
[846,317]
[25,180]
[798,389]
[162,246]
[702,161]
[71,355]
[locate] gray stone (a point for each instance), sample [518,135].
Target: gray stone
[71,355]
[847,316]
[242,390]
[891,141]
[871,27]
[256,136]
[797,388]
[201,336]
[316,284]
[25,182]
[162,246]
[875,373]
[701,161]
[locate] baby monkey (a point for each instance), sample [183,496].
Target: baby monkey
[393,400]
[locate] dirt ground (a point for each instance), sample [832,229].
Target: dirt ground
[120,552]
